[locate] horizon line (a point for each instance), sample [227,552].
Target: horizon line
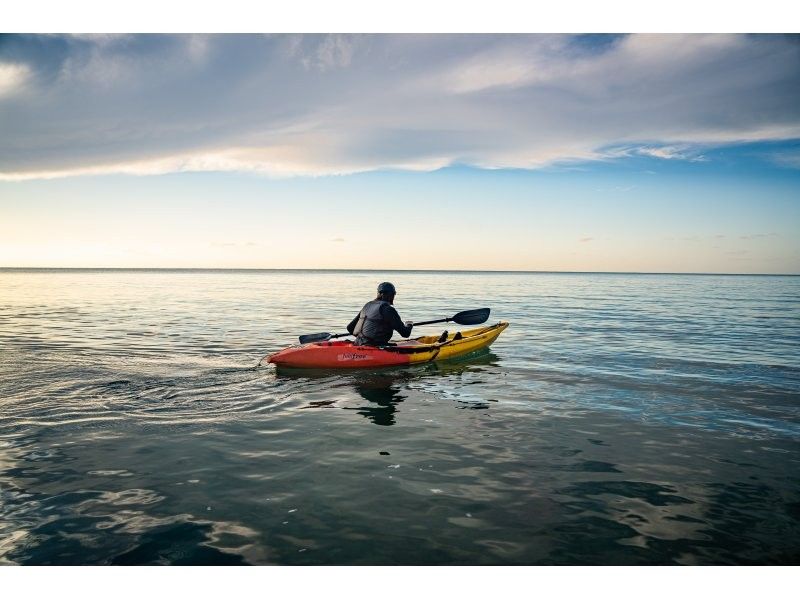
[434,270]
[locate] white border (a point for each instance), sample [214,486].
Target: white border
[399,582]
[571,16]
[417,16]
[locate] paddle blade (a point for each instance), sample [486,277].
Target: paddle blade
[314,338]
[472,316]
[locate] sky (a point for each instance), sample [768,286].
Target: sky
[647,153]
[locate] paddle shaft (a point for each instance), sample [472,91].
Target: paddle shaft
[469,317]
[433,321]
[415,324]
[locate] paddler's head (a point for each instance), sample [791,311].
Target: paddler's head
[386,292]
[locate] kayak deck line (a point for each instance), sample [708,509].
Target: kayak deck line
[424,349]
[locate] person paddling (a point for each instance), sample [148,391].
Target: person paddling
[378,319]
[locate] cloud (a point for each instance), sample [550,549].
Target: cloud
[335,51]
[289,105]
[586,239]
[12,78]
[100,38]
[686,151]
[757,236]
[787,159]
[337,240]
[668,152]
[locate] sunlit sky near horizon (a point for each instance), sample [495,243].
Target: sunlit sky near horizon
[645,153]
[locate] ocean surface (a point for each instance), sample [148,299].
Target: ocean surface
[621,419]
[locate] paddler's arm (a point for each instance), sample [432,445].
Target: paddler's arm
[390,315]
[351,327]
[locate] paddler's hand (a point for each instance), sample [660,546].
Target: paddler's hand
[409,324]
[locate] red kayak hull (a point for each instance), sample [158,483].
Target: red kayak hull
[338,354]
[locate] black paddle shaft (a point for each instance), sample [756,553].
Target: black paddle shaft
[469,317]
[432,321]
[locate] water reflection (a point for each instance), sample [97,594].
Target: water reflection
[383,397]
[384,390]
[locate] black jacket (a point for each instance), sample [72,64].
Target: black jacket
[375,323]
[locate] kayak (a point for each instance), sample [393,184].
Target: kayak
[346,355]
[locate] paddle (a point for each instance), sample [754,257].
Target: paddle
[467,318]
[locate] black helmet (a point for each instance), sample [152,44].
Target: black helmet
[387,288]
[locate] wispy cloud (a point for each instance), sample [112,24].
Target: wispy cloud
[287,105]
[787,159]
[12,77]
[338,240]
[686,151]
[100,38]
[757,236]
[586,239]
[671,152]
[334,51]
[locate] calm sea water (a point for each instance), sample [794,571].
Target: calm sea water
[621,419]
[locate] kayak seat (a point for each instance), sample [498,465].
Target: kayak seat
[458,336]
[443,338]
